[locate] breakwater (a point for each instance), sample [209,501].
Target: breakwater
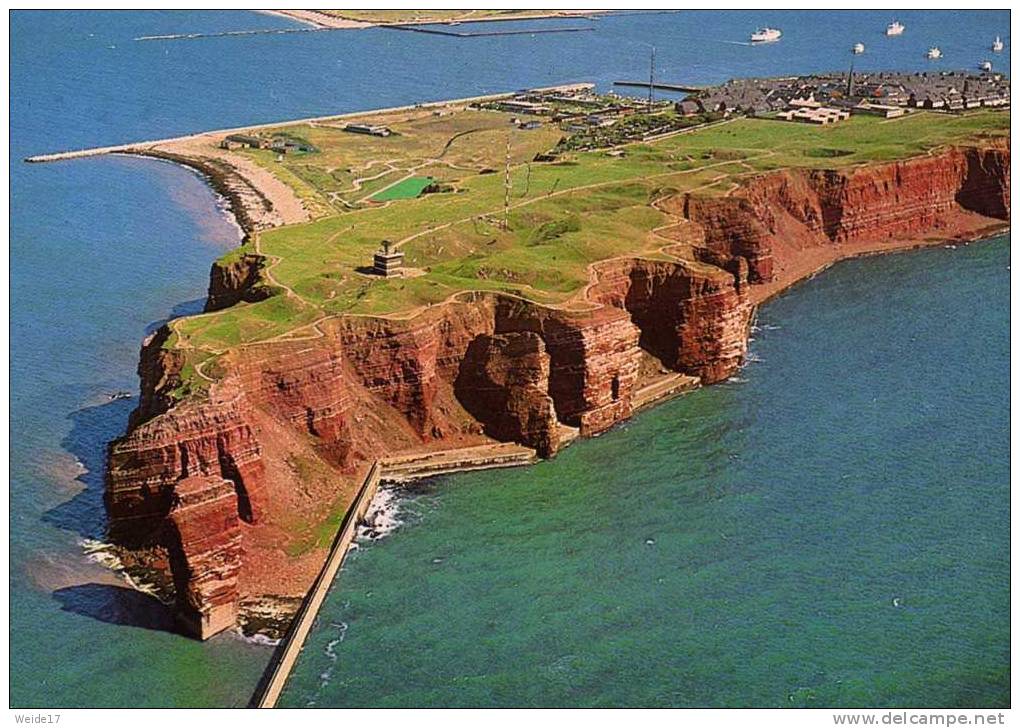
[400,469]
[231,33]
[135,147]
[485,33]
[681,88]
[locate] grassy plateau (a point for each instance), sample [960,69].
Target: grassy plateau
[565,214]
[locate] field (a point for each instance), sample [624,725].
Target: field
[564,215]
[405,189]
[445,144]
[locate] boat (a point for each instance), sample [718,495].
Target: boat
[894,28]
[119,395]
[997,45]
[934,53]
[858,49]
[986,65]
[766,35]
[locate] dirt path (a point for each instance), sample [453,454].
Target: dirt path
[571,190]
[577,302]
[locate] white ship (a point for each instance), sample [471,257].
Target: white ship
[934,53]
[997,45]
[986,65]
[766,35]
[858,49]
[894,28]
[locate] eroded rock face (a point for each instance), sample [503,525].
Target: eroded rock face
[236,281]
[911,198]
[205,536]
[985,187]
[213,439]
[692,317]
[733,229]
[593,357]
[200,477]
[504,383]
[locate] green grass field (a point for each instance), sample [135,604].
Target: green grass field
[407,189]
[565,215]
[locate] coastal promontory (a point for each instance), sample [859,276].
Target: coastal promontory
[525,268]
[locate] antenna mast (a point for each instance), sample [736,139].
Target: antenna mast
[506,187]
[651,80]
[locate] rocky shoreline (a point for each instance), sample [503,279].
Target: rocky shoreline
[215,481]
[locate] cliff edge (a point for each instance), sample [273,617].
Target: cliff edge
[227,485]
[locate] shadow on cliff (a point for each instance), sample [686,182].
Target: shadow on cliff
[116,605]
[91,429]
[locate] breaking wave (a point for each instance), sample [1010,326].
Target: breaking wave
[382,517]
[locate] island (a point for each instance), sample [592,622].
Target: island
[476,283]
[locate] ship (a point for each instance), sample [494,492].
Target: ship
[997,45]
[858,49]
[986,65]
[766,35]
[934,53]
[894,28]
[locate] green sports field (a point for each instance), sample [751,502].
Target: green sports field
[406,189]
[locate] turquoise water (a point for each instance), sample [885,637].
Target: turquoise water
[831,528]
[104,249]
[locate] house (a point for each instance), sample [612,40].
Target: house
[370,129]
[515,106]
[805,103]
[285,145]
[244,140]
[886,111]
[687,107]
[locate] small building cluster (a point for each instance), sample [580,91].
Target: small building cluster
[885,94]
[279,143]
[575,108]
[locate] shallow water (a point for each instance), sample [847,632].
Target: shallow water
[103,249]
[829,529]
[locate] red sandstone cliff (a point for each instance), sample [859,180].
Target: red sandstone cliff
[217,481]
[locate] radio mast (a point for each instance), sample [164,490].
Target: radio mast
[651,80]
[506,187]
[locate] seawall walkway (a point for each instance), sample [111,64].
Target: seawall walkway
[400,469]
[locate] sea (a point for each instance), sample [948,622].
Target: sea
[829,528]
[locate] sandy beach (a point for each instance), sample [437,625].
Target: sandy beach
[321,19]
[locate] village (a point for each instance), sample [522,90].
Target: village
[827,98]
